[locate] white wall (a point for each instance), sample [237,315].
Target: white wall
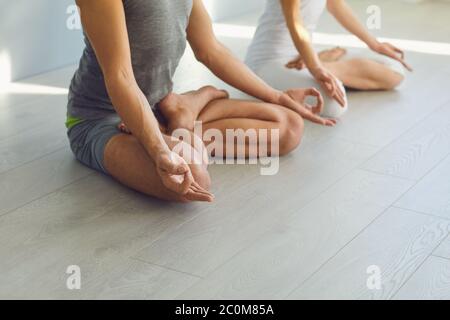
[222,9]
[34,37]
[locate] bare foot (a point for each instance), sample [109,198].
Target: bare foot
[181,111]
[332,55]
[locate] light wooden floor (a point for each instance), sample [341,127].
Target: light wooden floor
[375,191]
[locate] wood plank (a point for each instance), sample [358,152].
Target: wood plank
[249,206]
[418,151]
[378,118]
[299,241]
[431,194]
[430,282]
[444,249]
[38,178]
[94,223]
[397,244]
[31,145]
[115,278]
[44,112]
[24,92]
[134,280]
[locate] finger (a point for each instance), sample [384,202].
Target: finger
[399,51]
[316,119]
[300,64]
[312,92]
[196,187]
[174,168]
[292,63]
[320,102]
[292,66]
[192,195]
[407,66]
[187,182]
[340,96]
[319,99]
[226,93]
[327,87]
[329,123]
[172,184]
[337,94]
[333,121]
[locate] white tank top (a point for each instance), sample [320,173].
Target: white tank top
[272,40]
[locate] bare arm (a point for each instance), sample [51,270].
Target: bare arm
[216,57]
[347,18]
[300,36]
[302,41]
[105,26]
[220,60]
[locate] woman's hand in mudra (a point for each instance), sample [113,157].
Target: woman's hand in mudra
[176,176]
[329,83]
[301,94]
[310,113]
[393,52]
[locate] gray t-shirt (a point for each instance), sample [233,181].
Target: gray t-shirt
[157,35]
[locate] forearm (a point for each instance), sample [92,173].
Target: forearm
[225,66]
[302,41]
[299,34]
[235,73]
[347,18]
[134,109]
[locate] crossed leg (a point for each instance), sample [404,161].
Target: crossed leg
[128,162]
[360,73]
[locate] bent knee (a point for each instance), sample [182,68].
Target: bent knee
[393,80]
[389,76]
[332,109]
[291,132]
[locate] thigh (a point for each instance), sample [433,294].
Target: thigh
[282,78]
[242,109]
[364,74]
[262,127]
[366,54]
[89,138]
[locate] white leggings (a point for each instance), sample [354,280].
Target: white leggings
[278,76]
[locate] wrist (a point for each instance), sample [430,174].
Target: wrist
[156,151]
[373,44]
[276,97]
[316,70]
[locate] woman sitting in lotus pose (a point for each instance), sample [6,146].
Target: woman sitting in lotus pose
[281,53]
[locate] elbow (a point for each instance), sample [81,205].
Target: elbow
[119,78]
[202,56]
[206,54]
[330,6]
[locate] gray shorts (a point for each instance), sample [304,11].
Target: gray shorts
[88,140]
